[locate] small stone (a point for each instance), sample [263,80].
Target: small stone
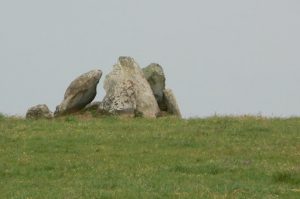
[40,111]
[92,106]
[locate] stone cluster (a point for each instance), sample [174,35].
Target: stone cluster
[130,91]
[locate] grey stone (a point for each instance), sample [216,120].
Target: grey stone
[81,92]
[128,92]
[155,76]
[120,99]
[170,101]
[40,111]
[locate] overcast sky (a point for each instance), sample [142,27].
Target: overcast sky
[225,57]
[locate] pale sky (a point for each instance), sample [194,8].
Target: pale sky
[230,57]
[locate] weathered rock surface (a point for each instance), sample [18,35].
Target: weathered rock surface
[155,76]
[120,99]
[171,103]
[128,92]
[81,92]
[40,111]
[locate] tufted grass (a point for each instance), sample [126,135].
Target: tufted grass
[87,157]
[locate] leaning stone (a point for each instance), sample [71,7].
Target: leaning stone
[39,112]
[155,76]
[128,92]
[80,93]
[170,100]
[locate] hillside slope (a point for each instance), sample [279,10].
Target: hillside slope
[218,157]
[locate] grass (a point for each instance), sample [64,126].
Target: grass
[217,157]
[2,116]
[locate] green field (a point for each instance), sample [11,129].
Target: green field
[86,157]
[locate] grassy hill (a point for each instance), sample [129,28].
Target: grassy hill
[85,157]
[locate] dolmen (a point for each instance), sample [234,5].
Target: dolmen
[130,91]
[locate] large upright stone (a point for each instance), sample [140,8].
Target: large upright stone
[171,102]
[155,76]
[128,92]
[40,111]
[81,92]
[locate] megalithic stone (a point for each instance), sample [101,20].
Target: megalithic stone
[128,92]
[171,102]
[80,93]
[155,76]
